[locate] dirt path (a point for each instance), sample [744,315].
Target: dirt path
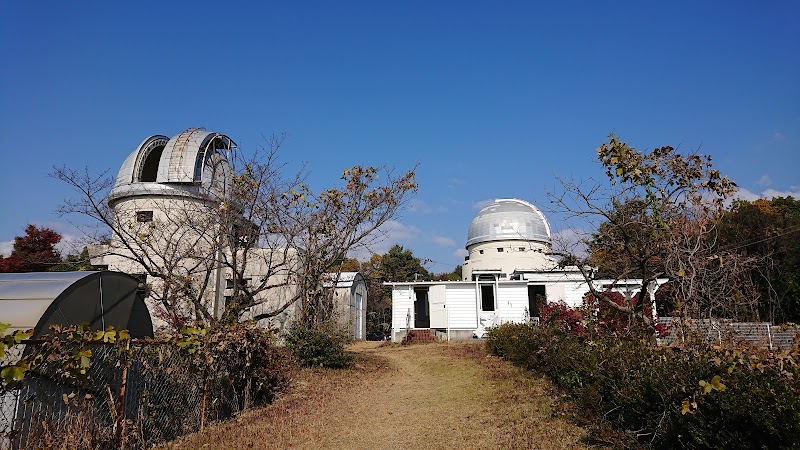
[414,397]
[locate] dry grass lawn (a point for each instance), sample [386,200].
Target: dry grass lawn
[411,397]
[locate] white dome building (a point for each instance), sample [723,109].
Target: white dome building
[165,206]
[506,239]
[193,164]
[163,203]
[508,276]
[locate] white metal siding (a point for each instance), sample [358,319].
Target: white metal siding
[554,292]
[402,302]
[512,299]
[574,294]
[462,306]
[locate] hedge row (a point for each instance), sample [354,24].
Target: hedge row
[633,394]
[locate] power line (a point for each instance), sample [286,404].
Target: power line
[746,243]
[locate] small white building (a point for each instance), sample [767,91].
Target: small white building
[507,277]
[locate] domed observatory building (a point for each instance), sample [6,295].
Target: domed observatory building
[163,202]
[506,239]
[167,205]
[508,276]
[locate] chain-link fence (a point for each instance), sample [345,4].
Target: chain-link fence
[131,396]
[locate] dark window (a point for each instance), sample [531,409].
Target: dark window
[242,282]
[487,297]
[500,249]
[144,216]
[244,235]
[522,249]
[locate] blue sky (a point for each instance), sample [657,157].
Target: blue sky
[492,99]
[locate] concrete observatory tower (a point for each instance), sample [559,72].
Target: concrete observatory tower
[163,202]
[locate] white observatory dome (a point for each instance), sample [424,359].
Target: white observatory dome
[508,220]
[194,163]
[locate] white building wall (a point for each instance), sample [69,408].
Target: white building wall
[555,292]
[574,293]
[507,257]
[462,306]
[512,299]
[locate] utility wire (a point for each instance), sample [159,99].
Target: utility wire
[751,241]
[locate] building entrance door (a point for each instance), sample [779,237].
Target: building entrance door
[536,299]
[359,324]
[422,314]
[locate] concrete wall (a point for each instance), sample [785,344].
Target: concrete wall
[191,257]
[515,255]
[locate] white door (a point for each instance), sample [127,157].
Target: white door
[359,324]
[436,299]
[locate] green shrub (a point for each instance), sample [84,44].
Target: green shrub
[319,347]
[250,360]
[632,393]
[514,342]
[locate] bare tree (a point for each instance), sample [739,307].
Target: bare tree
[175,247]
[655,216]
[261,234]
[297,236]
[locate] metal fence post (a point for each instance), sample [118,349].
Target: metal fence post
[769,334]
[121,406]
[203,401]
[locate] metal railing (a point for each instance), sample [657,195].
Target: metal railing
[756,334]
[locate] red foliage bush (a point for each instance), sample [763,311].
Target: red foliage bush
[561,316]
[598,318]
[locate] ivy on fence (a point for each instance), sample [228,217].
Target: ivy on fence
[102,389]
